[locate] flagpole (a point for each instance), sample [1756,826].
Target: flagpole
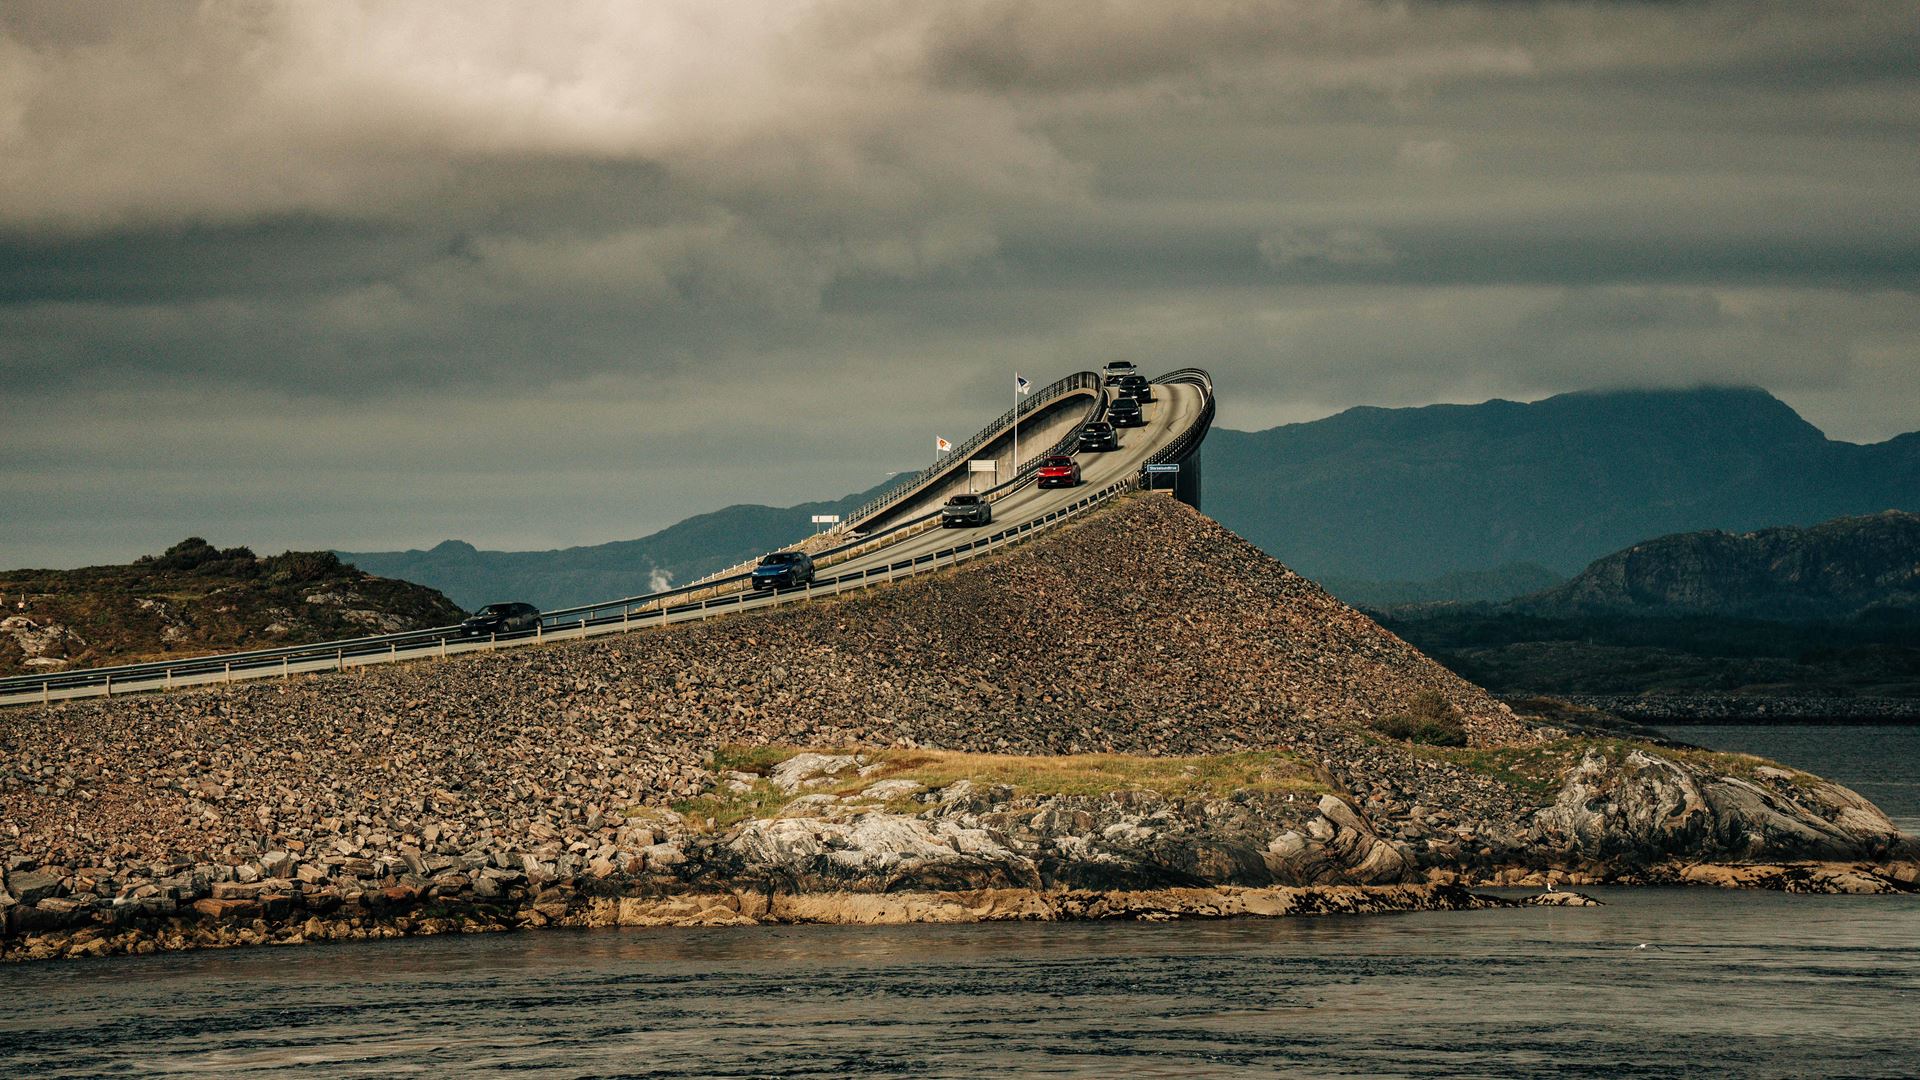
[1016,426]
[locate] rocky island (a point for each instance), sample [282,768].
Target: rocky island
[194,600]
[1136,715]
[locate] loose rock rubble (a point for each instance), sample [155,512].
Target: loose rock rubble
[535,785]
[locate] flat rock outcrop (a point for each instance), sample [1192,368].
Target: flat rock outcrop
[1648,806]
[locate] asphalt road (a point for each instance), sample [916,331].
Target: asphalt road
[1173,409]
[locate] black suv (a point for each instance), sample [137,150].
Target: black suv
[501,620]
[1125,412]
[1098,436]
[1136,387]
[962,511]
[783,570]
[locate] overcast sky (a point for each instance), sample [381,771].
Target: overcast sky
[371,275]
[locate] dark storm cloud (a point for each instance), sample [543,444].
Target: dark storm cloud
[284,269]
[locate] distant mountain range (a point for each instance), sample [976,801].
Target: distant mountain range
[568,577]
[1400,495]
[1388,506]
[1459,587]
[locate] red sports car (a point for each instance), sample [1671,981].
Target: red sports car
[1059,472]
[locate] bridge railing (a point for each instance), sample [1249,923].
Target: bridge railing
[1034,402]
[1187,441]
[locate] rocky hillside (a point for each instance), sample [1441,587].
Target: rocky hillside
[1138,699]
[195,599]
[1835,570]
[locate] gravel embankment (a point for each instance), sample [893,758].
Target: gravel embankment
[1146,629]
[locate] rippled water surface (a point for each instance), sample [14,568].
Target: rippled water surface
[1729,983]
[1749,983]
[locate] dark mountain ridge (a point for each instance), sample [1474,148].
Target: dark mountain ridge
[1443,502]
[1398,494]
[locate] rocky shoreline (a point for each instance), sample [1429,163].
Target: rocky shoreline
[275,919]
[849,838]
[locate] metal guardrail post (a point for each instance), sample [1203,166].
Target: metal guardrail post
[286,668]
[109,686]
[229,672]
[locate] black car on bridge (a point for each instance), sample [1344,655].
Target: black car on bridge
[1125,412]
[501,620]
[1098,436]
[783,570]
[1136,387]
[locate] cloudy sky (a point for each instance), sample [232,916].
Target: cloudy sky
[370,275]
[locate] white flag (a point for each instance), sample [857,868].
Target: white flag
[941,444]
[1021,385]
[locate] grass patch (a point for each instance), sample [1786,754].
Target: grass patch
[1540,770]
[1210,776]
[1430,719]
[750,759]
[1533,770]
[1213,775]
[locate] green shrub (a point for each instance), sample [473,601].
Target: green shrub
[1430,719]
[304,566]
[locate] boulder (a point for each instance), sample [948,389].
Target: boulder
[32,886]
[803,770]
